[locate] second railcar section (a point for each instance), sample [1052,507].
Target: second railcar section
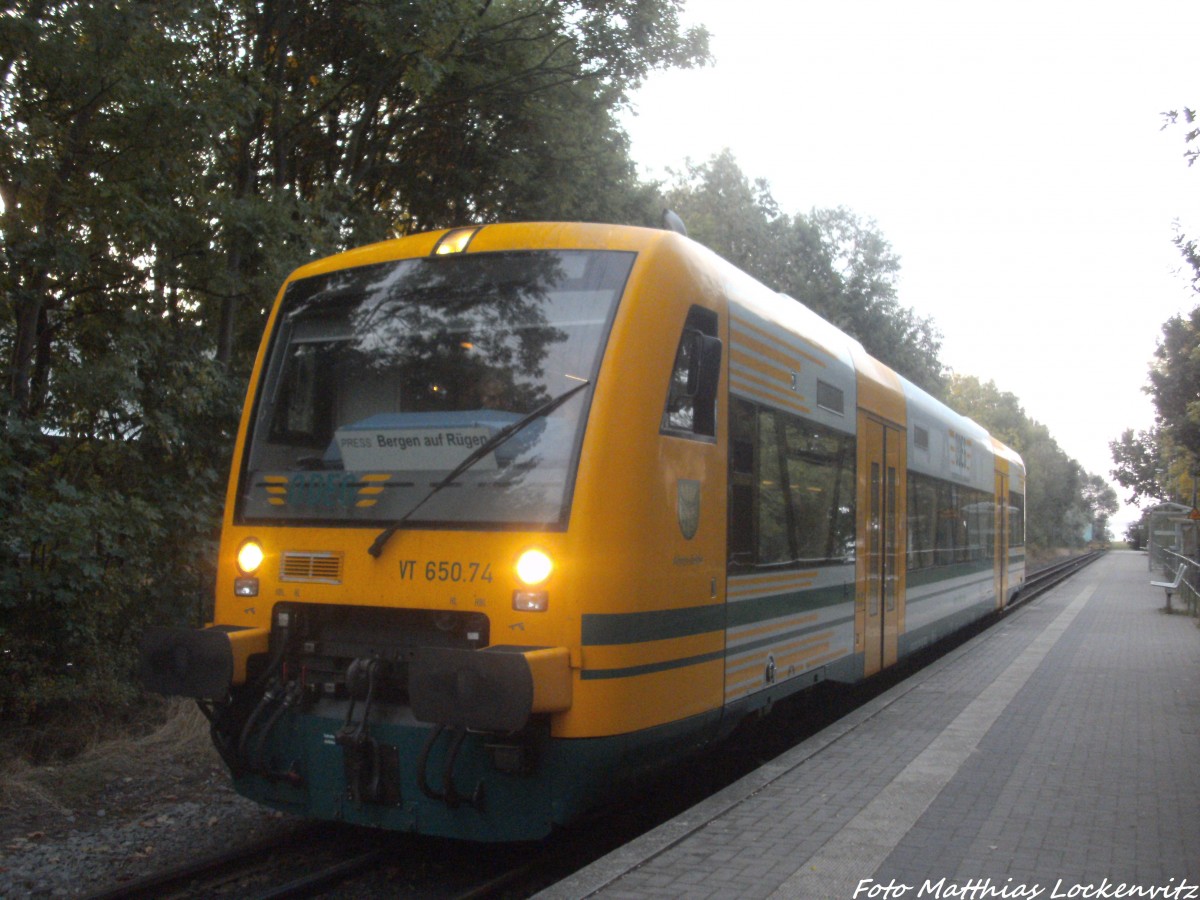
[866,518]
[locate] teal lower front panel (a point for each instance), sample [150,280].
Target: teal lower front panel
[302,769]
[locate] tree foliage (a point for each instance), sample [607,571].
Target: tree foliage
[831,260]
[1189,120]
[163,164]
[1140,466]
[1175,384]
[214,145]
[1162,463]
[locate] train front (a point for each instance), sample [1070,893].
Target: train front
[388,647]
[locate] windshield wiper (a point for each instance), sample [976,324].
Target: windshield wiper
[475,456]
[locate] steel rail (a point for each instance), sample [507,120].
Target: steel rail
[226,865]
[1043,579]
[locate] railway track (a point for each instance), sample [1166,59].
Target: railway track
[335,855]
[1046,577]
[237,867]
[314,860]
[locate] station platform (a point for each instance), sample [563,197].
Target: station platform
[1055,755]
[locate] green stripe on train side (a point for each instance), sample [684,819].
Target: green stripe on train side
[651,668]
[611,629]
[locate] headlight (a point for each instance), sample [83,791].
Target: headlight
[250,556]
[534,567]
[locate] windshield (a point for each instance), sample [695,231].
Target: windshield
[382,379]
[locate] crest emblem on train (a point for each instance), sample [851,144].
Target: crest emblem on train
[688,506]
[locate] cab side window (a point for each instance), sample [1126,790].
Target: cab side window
[691,407]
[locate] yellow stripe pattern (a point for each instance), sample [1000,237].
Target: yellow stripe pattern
[276,489]
[369,495]
[765,364]
[768,648]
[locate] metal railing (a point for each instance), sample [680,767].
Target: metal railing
[1189,584]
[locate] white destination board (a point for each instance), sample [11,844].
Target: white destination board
[399,449]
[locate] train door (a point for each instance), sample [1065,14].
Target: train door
[1000,539]
[880,570]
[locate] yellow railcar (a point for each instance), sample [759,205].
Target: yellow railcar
[520,512]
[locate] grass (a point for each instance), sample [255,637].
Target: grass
[180,737]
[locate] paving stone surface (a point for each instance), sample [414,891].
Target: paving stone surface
[1056,755]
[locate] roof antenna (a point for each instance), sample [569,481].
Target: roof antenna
[672,222]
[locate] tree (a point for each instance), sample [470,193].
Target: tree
[215,145]
[1140,465]
[832,261]
[1189,118]
[93,137]
[1175,384]
[1101,501]
[998,411]
[1161,464]
[163,165]
[387,117]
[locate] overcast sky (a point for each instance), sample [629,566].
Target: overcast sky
[1012,154]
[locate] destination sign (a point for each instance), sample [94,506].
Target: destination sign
[400,449]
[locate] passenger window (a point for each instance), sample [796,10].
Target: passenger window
[947,523]
[774,513]
[1016,519]
[791,490]
[820,478]
[691,408]
[743,438]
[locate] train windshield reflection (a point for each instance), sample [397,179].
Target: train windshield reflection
[382,379]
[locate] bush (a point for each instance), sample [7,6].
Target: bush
[101,537]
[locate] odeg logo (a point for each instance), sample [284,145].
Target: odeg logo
[332,490]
